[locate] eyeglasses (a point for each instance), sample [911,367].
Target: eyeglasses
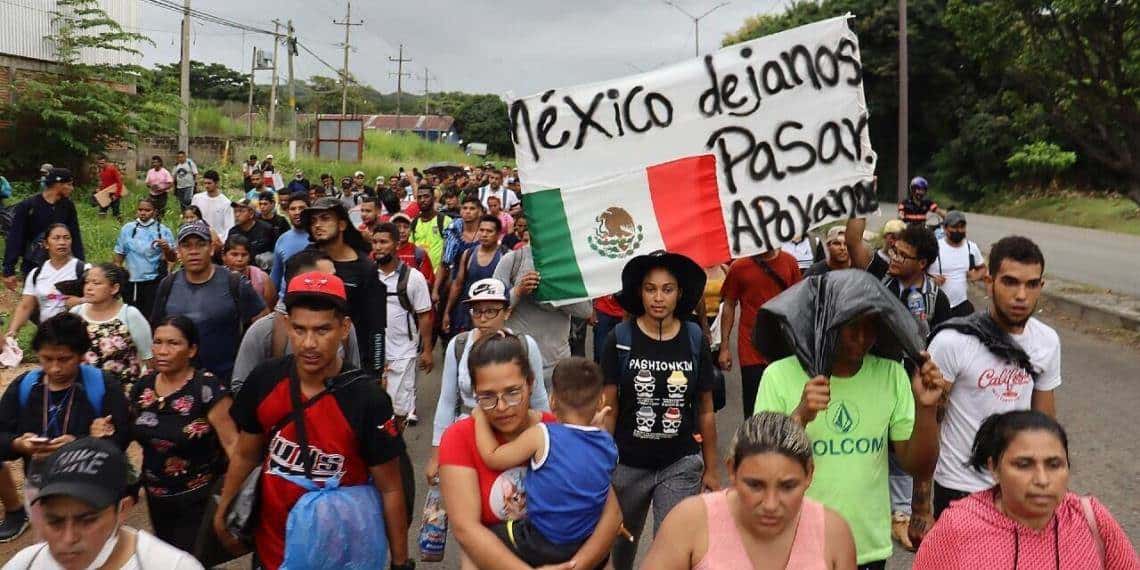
[489,402]
[894,252]
[486,313]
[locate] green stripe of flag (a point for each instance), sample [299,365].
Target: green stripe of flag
[553,247]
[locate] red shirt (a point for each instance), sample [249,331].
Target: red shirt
[407,254]
[609,306]
[751,286]
[110,176]
[501,492]
[348,431]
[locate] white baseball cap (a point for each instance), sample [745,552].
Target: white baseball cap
[489,289]
[269,157]
[358,173]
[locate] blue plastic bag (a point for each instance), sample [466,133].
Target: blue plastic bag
[335,527]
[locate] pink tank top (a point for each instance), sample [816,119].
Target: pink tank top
[727,551]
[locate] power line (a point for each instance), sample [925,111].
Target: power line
[172,6]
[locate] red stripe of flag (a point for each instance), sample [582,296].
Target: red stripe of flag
[686,201]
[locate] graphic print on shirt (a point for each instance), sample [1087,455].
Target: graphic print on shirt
[1005,383]
[843,418]
[285,455]
[659,414]
[508,495]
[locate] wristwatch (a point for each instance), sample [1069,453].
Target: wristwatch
[409,565]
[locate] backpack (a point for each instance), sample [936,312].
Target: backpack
[402,293]
[93,385]
[929,297]
[623,334]
[162,295]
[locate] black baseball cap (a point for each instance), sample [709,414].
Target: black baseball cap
[91,470]
[58,175]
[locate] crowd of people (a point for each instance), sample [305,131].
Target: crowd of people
[264,350]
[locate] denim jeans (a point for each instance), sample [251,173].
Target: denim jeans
[602,330]
[637,488]
[901,486]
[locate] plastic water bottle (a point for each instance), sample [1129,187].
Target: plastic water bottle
[916,304]
[433,528]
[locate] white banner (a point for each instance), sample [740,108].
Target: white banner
[784,116]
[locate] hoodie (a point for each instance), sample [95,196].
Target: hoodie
[974,534]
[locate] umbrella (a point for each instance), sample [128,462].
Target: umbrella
[444,169]
[805,319]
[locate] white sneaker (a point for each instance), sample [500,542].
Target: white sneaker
[413,419]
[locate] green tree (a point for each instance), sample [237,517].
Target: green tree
[212,81]
[81,108]
[479,118]
[1076,61]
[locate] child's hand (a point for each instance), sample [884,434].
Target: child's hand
[599,420]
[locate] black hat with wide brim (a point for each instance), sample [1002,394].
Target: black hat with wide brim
[690,277]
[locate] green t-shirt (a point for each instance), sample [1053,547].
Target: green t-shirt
[427,235]
[849,441]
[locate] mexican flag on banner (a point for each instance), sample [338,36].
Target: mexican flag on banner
[585,238]
[719,157]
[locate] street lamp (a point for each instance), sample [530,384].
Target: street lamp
[696,22]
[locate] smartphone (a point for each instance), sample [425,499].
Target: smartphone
[40,440]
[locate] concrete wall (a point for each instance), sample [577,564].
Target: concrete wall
[203,150]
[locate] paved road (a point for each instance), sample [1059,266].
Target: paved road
[1097,404]
[1104,259]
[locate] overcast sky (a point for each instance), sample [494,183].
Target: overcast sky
[487,46]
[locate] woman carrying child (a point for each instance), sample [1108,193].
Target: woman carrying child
[478,497]
[659,380]
[570,464]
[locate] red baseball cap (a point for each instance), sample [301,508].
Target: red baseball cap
[315,284]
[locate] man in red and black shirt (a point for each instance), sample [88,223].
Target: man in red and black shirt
[109,175]
[917,206]
[348,429]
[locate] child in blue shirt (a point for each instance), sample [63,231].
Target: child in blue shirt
[571,466]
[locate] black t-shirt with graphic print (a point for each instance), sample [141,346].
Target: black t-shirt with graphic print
[658,398]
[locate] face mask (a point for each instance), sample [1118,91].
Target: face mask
[384,259]
[955,237]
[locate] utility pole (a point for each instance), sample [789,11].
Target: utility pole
[347,23]
[291,46]
[427,96]
[400,61]
[696,22]
[273,84]
[252,71]
[184,113]
[904,106]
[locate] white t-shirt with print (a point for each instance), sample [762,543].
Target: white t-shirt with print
[983,386]
[398,343]
[954,263]
[150,552]
[51,301]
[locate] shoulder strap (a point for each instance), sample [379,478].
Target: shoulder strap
[91,377]
[79,270]
[161,296]
[402,296]
[36,275]
[771,272]
[28,382]
[696,339]
[1094,528]
[461,342]
[94,386]
[623,334]
[235,292]
[439,223]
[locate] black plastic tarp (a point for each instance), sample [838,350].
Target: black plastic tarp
[805,320]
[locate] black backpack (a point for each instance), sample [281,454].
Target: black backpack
[402,295]
[72,287]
